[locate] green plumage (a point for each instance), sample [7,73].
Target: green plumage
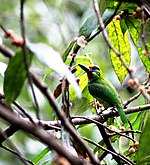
[103,90]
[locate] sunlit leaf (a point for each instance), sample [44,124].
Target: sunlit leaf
[40,155]
[121,42]
[15,76]
[135,30]
[53,60]
[145,58]
[144,142]
[79,106]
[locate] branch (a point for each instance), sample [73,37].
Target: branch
[10,116]
[76,120]
[26,59]
[100,21]
[107,128]
[61,115]
[108,151]
[8,132]
[131,99]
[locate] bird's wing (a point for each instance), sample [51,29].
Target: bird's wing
[105,93]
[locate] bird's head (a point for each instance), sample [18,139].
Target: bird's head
[93,72]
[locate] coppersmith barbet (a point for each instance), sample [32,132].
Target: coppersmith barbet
[102,90]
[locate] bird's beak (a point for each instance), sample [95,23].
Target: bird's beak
[84,67]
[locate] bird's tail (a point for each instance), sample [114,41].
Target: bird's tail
[122,113]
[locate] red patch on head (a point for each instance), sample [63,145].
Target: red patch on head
[90,68]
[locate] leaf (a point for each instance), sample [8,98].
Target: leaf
[135,30]
[123,144]
[53,60]
[40,155]
[103,5]
[79,106]
[145,58]
[57,91]
[46,163]
[121,42]
[15,76]
[92,25]
[68,50]
[89,26]
[144,142]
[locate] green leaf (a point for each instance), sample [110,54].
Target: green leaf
[103,5]
[92,25]
[123,26]
[46,163]
[145,161]
[144,142]
[121,42]
[135,30]
[135,119]
[89,26]
[68,50]
[41,155]
[145,58]
[15,76]
[81,105]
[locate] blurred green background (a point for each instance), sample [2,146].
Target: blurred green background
[56,23]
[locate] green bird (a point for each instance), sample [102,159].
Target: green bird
[102,90]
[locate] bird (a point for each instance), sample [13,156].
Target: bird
[102,90]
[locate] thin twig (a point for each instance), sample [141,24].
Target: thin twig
[23,111]
[26,59]
[96,8]
[8,132]
[125,159]
[19,107]
[15,150]
[17,154]
[110,130]
[107,22]
[127,102]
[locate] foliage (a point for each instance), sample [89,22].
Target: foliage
[43,79]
